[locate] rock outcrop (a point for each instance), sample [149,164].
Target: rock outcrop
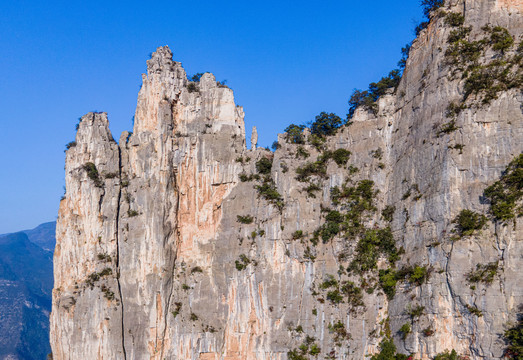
[178,242]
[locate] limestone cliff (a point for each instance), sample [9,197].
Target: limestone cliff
[178,242]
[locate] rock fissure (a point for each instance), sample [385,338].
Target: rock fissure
[117,237]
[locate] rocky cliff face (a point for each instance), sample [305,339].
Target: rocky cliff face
[178,242]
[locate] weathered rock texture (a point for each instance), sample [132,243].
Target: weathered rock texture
[152,262]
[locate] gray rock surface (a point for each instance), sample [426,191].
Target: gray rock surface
[152,261]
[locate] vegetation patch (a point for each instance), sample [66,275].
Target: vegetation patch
[371,246]
[484,273]
[468,221]
[339,331]
[294,134]
[242,263]
[484,80]
[388,351]
[341,156]
[264,166]
[474,310]
[388,212]
[93,174]
[177,309]
[505,193]
[405,330]
[268,191]
[70,145]
[308,347]
[514,339]
[247,219]
[452,355]
[368,99]
[326,124]
[448,128]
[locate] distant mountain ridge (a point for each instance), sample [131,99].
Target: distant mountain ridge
[26,282]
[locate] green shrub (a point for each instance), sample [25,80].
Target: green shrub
[469,221]
[247,219]
[500,38]
[196,77]
[428,331]
[317,141]
[514,340]
[264,166]
[314,350]
[329,282]
[377,154]
[417,275]
[268,191]
[111,175]
[459,34]
[453,355]
[296,355]
[193,317]
[294,134]
[317,168]
[429,6]
[462,53]
[196,269]
[242,263]
[339,331]
[192,87]
[93,174]
[334,296]
[474,310]
[353,293]
[373,244]
[388,280]
[367,99]
[388,212]
[298,234]
[454,109]
[105,272]
[454,19]
[70,145]
[388,351]
[415,312]
[341,156]
[334,216]
[505,193]
[311,189]
[104,257]
[326,124]
[405,330]
[301,152]
[483,273]
[132,213]
[177,309]
[448,128]
[108,294]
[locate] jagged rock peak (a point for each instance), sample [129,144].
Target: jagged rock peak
[161,60]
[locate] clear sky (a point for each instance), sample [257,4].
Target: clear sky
[285,60]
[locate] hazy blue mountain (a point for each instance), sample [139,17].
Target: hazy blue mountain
[43,235]
[26,282]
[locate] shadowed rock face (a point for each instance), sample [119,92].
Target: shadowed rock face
[163,252]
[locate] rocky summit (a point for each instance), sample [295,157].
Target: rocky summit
[396,235]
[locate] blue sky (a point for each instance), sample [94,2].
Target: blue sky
[286,62]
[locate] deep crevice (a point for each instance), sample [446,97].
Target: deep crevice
[118,250]
[175,231]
